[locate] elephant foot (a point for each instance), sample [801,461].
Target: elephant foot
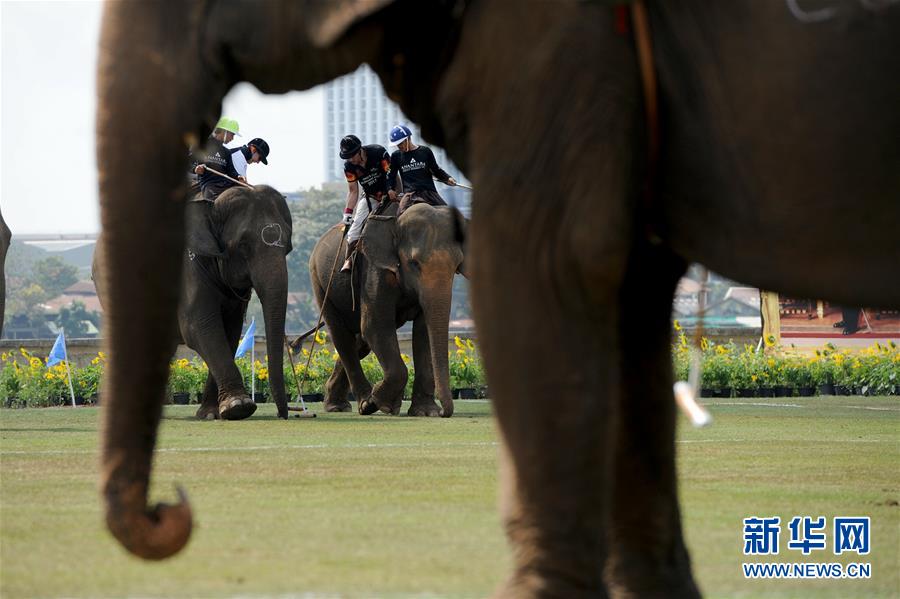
[447,408]
[236,407]
[424,407]
[337,406]
[205,412]
[370,405]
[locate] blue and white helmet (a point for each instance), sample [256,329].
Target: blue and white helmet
[398,134]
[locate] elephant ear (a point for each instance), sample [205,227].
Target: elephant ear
[379,243]
[200,237]
[337,16]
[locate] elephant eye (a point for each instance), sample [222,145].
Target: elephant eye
[414,264]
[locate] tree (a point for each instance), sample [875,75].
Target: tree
[74,319]
[54,275]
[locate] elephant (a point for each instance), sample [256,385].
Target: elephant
[403,272]
[775,162]
[5,237]
[254,226]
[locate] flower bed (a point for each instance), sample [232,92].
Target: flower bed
[728,370]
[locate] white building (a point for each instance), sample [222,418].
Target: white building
[356,104]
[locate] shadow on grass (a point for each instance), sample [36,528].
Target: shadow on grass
[333,417]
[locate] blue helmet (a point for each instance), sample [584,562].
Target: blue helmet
[398,134]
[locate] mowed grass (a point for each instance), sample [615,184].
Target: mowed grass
[399,507]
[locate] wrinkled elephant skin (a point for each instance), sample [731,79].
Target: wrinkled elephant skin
[777,167]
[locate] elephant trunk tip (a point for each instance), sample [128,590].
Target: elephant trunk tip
[151,534]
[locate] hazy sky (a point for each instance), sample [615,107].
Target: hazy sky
[47,101]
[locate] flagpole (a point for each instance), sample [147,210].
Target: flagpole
[253,370]
[68,370]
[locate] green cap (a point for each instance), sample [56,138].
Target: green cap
[227,124]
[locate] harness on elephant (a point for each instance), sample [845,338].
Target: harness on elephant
[685,392]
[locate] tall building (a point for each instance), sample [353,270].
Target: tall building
[356,104]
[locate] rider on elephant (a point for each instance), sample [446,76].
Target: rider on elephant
[202,236]
[417,168]
[366,166]
[222,134]
[232,162]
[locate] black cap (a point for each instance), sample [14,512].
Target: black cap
[262,147]
[350,145]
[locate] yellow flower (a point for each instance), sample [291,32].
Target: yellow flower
[320,337]
[470,345]
[753,377]
[305,352]
[460,352]
[770,340]
[49,376]
[676,325]
[770,362]
[720,349]
[35,362]
[704,343]
[405,358]
[95,361]
[5,355]
[458,342]
[324,351]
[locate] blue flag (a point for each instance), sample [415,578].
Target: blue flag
[58,353]
[246,340]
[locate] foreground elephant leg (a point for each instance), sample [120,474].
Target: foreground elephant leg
[387,395]
[348,348]
[423,403]
[208,335]
[554,409]
[648,556]
[337,388]
[209,404]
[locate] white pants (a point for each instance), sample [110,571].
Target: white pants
[359,219]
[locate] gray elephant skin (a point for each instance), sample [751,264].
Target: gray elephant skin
[247,251]
[403,272]
[778,166]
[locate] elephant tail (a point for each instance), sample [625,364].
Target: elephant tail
[295,344]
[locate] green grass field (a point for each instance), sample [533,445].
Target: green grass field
[400,507]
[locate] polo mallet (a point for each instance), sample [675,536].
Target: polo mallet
[686,393]
[458,184]
[303,411]
[232,179]
[315,330]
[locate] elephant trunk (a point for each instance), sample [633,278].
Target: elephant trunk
[271,287]
[435,299]
[142,217]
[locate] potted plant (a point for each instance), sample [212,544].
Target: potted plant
[181,381]
[743,373]
[262,383]
[9,380]
[465,371]
[715,380]
[821,371]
